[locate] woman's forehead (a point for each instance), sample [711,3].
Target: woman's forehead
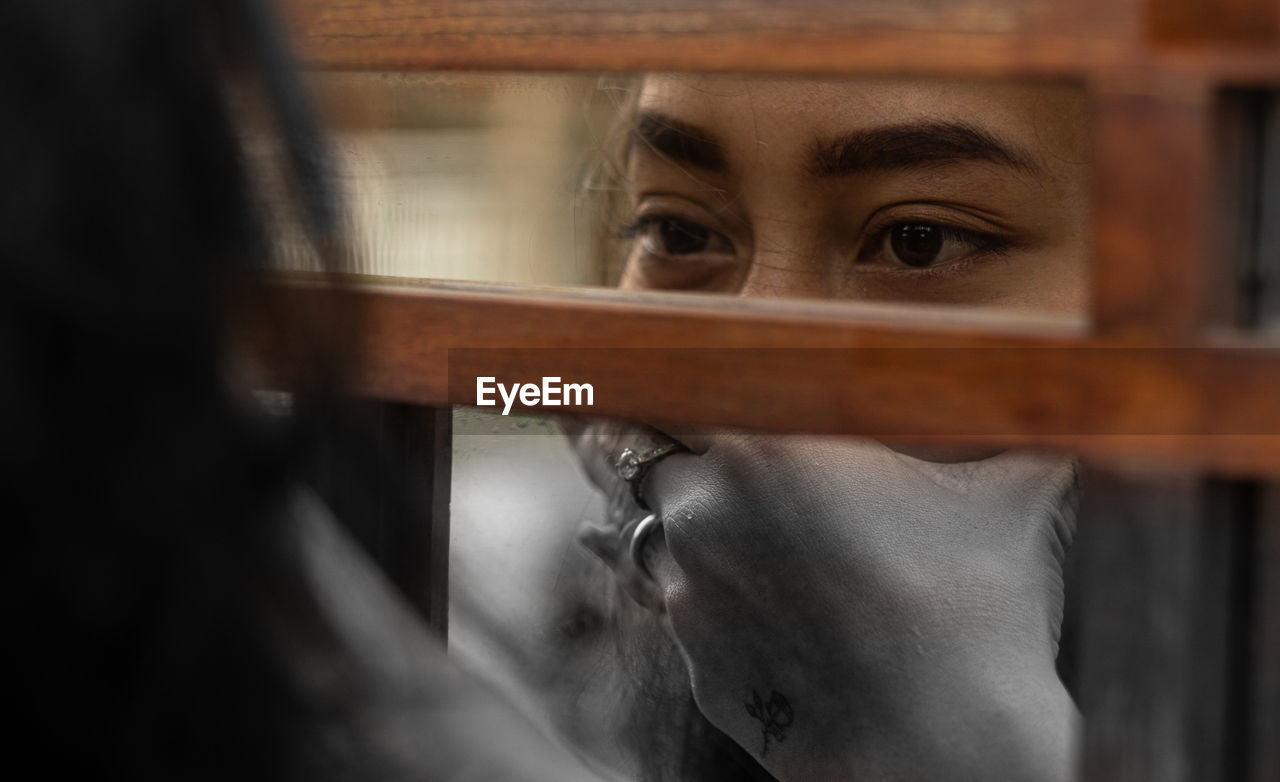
[1049,119]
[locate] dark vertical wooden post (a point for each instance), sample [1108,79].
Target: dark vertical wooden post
[441,495]
[1260,198]
[1163,627]
[385,470]
[412,543]
[1263,695]
[1159,627]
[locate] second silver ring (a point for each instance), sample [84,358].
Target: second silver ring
[633,466]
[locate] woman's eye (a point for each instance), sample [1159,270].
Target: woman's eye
[919,245]
[674,236]
[678,237]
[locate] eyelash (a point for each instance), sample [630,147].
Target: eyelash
[672,225]
[639,225]
[633,229]
[985,245]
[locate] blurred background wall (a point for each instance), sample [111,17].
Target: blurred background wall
[471,176]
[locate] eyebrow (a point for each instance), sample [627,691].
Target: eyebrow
[678,141]
[914,145]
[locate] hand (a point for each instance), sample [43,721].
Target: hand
[846,610]
[599,445]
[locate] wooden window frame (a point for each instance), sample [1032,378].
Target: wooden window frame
[1154,71]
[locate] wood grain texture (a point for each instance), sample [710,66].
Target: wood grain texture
[1247,22]
[1153,275]
[830,368]
[1156,623]
[977,37]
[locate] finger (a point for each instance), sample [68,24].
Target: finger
[634,573]
[602,445]
[597,444]
[944,450]
[1053,472]
[669,478]
[660,566]
[589,440]
[698,439]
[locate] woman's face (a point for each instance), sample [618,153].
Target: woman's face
[882,191]
[942,192]
[905,191]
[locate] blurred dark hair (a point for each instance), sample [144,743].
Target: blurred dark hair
[144,500]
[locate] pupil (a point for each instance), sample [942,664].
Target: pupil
[916,245]
[681,238]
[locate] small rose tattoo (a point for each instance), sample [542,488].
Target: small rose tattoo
[775,717]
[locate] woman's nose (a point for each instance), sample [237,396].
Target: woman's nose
[787,274]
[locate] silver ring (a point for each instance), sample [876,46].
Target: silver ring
[638,538]
[632,466]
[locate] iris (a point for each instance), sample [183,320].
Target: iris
[916,244]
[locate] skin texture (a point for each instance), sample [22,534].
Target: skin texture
[908,611]
[782,230]
[845,610]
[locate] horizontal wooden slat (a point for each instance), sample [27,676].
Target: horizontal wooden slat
[792,366]
[975,37]
[1228,21]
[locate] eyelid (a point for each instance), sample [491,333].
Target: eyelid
[676,205]
[637,228]
[986,244]
[959,221]
[652,207]
[957,216]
